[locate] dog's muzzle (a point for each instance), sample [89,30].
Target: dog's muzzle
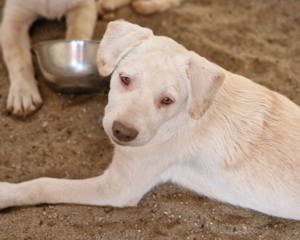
[123,133]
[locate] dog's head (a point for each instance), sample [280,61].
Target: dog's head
[155,82]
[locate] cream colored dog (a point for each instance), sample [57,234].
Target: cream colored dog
[24,97]
[174,116]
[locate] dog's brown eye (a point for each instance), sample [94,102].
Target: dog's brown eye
[125,80]
[167,101]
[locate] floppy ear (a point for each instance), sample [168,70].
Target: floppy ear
[205,79]
[119,38]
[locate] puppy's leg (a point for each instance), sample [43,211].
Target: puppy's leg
[122,184]
[153,6]
[111,5]
[81,20]
[23,96]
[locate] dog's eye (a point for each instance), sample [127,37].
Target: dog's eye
[167,101]
[125,80]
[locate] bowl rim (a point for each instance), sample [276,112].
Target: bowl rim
[49,42]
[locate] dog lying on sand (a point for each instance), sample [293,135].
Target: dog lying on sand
[174,116]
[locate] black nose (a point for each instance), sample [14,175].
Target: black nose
[123,133]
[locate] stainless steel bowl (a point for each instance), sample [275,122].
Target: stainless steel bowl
[70,66]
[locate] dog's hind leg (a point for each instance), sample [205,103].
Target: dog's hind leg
[23,97]
[153,6]
[81,20]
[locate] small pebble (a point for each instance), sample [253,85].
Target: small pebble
[44,124]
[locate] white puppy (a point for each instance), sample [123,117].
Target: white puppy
[174,116]
[24,97]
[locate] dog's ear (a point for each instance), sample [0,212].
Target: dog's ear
[205,79]
[119,38]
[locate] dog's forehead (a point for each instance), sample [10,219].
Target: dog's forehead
[155,62]
[166,41]
[156,55]
[152,67]
[157,45]
[163,45]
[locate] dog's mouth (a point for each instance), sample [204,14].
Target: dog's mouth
[118,142]
[122,143]
[134,143]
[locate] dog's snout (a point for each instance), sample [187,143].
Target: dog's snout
[123,133]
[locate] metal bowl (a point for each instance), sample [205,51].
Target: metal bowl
[69,66]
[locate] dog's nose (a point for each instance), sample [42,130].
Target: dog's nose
[123,133]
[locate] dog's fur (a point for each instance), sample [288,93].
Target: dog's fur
[223,136]
[24,97]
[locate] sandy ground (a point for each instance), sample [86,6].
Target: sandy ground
[259,39]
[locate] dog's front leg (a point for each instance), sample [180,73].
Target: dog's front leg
[123,184]
[81,20]
[23,97]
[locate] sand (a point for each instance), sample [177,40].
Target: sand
[259,39]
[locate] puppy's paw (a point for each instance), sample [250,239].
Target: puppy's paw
[153,6]
[109,6]
[5,195]
[23,99]
[144,7]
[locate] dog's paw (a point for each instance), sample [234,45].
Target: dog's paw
[149,7]
[144,7]
[109,6]
[23,99]
[5,195]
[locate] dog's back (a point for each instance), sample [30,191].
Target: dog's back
[255,158]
